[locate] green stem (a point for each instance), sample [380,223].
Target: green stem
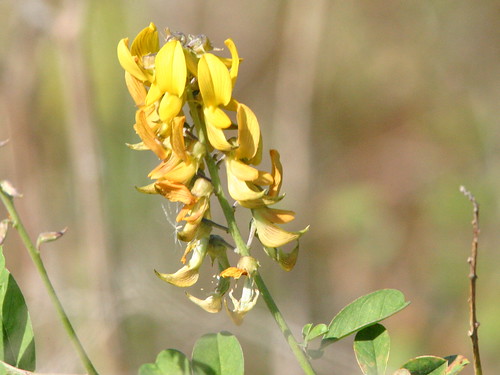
[242,247]
[37,260]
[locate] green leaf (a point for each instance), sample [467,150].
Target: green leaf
[306,329]
[17,344]
[218,354]
[363,312]
[372,345]
[168,362]
[456,363]
[317,330]
[426,365]
[6,369]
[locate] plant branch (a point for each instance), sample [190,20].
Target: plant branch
[37,260]
[472,260]
[241,246]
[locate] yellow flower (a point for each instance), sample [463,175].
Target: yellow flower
[170,80]
[216,84]
[188,274]
[249,137]
[132,60]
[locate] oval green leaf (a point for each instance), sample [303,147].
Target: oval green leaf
[168,362]
[371,346]
[218,354]
[364,311]
[17,343]
[426,365]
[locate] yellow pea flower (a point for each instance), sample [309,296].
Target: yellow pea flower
[145,43]
[216,84]
[170,80]
[188,274]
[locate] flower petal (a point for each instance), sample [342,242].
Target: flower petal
[233,272]
[271,235]
[217,138]
[128,62]
[248,133]
[136,89]
[277,216]
[183,278]
[277,173]
[216,117]
[170,68]
[211,304]
[240,190]
[177,138]
[146,42]
[235,60]
[175,192]
[154,94]
[170,106]
[214,81]
[148,136]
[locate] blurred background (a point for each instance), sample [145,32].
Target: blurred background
[380,110]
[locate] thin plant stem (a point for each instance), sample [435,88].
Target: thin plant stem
[241,246]
[37,260]
[472,260]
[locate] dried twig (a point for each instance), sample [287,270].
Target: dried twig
[472,260]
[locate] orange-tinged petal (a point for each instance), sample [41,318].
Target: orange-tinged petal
[181,173]
[277,216]
[170,68]
[146,42]
[214,81]
[177,139]
[245,172]
[248,133]
[240,190]
[233,272]
[217,138]
[235,60]
[271,235]
[136,89]
[170,106]
[277,173]
[183,278]
[129,62]
[216,117]
[165,166]
[241,170]
[148,136]
[175,192]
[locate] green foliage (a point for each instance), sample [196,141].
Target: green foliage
[310,333]
[17,343]
[363,312]
[213,354]
[372,346]
[456,363]
[426,365]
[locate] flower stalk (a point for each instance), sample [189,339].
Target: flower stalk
[34,253]
[243,249]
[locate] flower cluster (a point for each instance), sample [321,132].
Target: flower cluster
[185,73]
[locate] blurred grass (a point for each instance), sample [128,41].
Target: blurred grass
[380,109]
